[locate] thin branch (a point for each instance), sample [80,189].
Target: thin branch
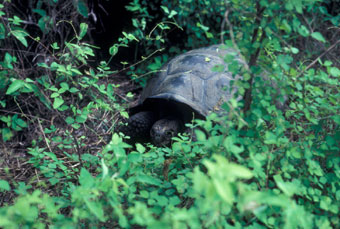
[43,133]
[233,39]
[322,54]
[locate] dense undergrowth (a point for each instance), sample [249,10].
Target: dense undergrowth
[63,165]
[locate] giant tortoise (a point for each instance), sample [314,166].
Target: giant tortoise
[188,86]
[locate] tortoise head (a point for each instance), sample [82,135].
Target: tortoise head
[164,129]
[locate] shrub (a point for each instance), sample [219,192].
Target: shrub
[262,165]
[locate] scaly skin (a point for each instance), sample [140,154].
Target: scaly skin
[138,126]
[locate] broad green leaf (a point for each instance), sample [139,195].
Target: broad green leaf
[57,102]
[9,60]
[55,46]
[7,134]
[334,71]
[286,187]
[303,31]
[76,71]
[223,188]
[82,117]
[140,148]
[69,120]
[3,103]
[124,114]
[82,8]
[41,12]
[149,180]
[44,24]
[2,30]
[166,10]
[20,122]
[64,85]
[73,90]
[230,144]
[20,35]
[239,171]
[318,36]
[96,208]
[16,20]
[86,179]
[294,50]
[4,185]
[135,157]
[172,13]
[336,119]
[83,30]
[15,86]
[270,138]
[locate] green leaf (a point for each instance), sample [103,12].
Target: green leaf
[318,36]
[82,8]
[83,30]
[224,190]
[336,119]
[239,171]
[57,102]
[7,134]
[270,138]
[172,13]
[2,30]
[294,50]
[20,35]
[69,120]
[4,185]
[288,188]
[130,36]
[303,31]
[85,179]
[74,70]
[15,86]
[166,10]
[229,144]
[73,90]
[55,46]
[16,20]
[81,118]
[124,114]
[20,122]
[149,180]
[96,208]
[113,50]
[9,60]
[41,12]
[334,71]
[64,85]
[140,148]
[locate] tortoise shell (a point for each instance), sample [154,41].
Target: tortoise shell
[190,79]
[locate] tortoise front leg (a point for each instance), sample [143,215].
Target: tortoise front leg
[138,126]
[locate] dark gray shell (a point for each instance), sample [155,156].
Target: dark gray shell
[189,79]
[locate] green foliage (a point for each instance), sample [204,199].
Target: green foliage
[275,165]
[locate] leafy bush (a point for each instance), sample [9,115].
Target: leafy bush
[271,162]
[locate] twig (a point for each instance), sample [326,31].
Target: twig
[233,39]
[314,61]
[132,65]
[26,115]
[45,138]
